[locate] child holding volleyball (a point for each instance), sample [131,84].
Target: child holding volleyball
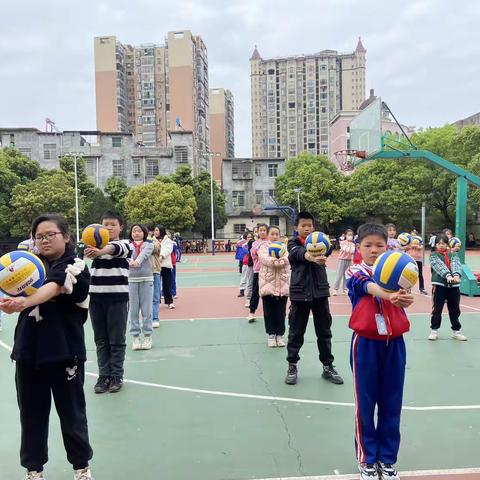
[309,291]
[262,232]
[109,304]
[274,282]
[345,257]
[446,275]
[49,351]
[377,357]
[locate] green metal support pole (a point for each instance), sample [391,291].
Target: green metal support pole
[461,215]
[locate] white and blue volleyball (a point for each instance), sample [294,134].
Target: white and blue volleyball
[277,250]
[404,239]
[22,273]
[318,243]
[416,241]
[395,270]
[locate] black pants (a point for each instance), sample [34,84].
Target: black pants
[274,310]
[452,296]
[167,285]
[240,266]
[254,301]
[109,322]
[322,321]
[420,275]
[35,387]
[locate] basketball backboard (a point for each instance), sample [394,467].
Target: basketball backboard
[366,129]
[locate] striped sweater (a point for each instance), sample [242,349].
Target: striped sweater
[109,274]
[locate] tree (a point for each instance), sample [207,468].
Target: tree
[323,188]
[117,190]
[96,207]
[161,202]
[51,191]
[25,168]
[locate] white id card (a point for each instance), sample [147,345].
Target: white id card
[381,325]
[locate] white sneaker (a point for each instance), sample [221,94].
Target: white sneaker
[368,471]
[251,318]
[34,475]
[272,341]
[387,472]
[155,324]
[147,342]
[334,293]
[247,304]
[175,296]
[84,474]
[171,306]
[345,292]
[433,335]
[280,341]
[137,343]
[458,335]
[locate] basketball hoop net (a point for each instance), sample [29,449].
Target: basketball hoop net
[346,159]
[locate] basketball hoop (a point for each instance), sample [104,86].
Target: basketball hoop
[257,210]
[346,159]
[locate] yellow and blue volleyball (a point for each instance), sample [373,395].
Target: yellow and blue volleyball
[95,235]
[394,270]
[454,242]
[416,241]
[25,245]
[404,239]
[21,273]
[317,243]
[277,250]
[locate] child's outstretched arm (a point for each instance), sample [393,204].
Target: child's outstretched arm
[42,295]
[440,268]
[400,299]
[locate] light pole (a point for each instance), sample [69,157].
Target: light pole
[298,190]
[75,156]
[212,219]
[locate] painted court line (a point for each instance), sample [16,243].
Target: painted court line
[271,398]
[414,473]
[462,304]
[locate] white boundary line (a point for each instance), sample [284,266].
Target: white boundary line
[414,473]
[462,304]
[272,398]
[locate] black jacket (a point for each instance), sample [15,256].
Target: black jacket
[308,279]
[59,336]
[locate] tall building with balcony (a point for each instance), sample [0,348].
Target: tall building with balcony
[222,138]
[152,90]
[294,98]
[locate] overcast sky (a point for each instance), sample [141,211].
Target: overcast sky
[423,56]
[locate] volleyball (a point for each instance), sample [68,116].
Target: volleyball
[394,270]
[454,242]
[404,239]
[95,235]
[25,245]
[416,241]
[21,273]
[276,250]
[317,243]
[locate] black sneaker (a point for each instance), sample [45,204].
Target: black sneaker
[102,384]
[368,471]
[241,294]
[116,384]
[330,374]
[291,378]
[423,291]
[386,471]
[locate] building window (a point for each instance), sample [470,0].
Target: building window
[136,166]
[272,169]
[238,198]
[271,193]
[90,167]
[151,167]
[258,197]
[239,228]
[181,154]
[50,151]
[258,170]
[118,167]
[275,221]
[26,152]
[116,141]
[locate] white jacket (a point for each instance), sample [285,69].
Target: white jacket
[166,250]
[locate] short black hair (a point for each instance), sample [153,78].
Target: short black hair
[162,230]
[304,216]
[441,237]
[58,220]
[368,229]
[390,225]
[112,215]
[144,230]
[273,226]
[150,227]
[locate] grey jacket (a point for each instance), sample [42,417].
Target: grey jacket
[144,271]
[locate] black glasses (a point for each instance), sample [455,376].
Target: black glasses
[48,236]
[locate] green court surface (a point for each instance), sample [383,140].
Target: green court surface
[209,402]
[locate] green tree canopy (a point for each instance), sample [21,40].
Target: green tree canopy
[323,188]
[161,202]
[117,190]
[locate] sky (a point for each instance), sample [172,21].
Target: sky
[423,56]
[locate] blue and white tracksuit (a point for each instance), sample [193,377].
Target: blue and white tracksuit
[378,366]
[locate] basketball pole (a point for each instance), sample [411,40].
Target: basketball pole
[211,204]
[76,196]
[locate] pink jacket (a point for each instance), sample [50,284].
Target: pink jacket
[274,275]
[347,249]
[254,253]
